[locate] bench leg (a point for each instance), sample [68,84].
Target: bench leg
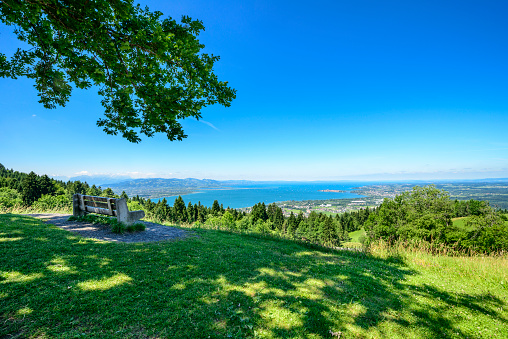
[123,214]
[76,206]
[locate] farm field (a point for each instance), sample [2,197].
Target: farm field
[216,284]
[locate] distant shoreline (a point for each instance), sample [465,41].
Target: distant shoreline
[334,191]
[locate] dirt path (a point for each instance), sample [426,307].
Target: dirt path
[153,231]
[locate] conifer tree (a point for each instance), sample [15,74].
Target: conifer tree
[201,212]
[300,218]
[259,212]
[30,189]
[278,219]
[271,210]
[46,185]
[195,217]
[190,213]
[180,212]
[160,212]
[95,191]
[292,225]
[108,192]
[327,233]
[215,208]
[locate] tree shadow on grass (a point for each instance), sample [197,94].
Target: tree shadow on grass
[218,285]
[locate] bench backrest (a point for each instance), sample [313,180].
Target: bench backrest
[99,205]
[82,204]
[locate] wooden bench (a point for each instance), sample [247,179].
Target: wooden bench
[83,204]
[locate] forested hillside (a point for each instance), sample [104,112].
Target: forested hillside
[41,191]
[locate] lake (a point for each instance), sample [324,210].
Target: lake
[247,195]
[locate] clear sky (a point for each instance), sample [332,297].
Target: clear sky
[326,90]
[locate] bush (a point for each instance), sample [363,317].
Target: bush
[243,224]
[9,198]
[117,227]
[134,206]
[135,227]
[489,233]
[139,226]
[228,221]
[49,202]
[214,222]
[362,239]
[263,227]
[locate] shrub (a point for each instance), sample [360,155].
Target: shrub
[139,226]
[263,227]
[135,227]
[117,227]
[134,206]
[48,202]
[9,198]
[489,233]
[362,239]
[243,224]
[228,221]
[214,222]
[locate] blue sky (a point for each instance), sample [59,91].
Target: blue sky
[326,90]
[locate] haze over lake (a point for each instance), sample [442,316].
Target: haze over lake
[247,195]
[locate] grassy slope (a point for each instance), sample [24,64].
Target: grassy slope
[354,242]
[461,223]
[217,285]
[356,235]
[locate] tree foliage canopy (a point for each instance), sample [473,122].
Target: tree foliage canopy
[150,72]
[424,213]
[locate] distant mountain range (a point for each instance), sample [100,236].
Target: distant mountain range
[100,180]
[158,187]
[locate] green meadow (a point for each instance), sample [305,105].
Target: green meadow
[216,284]
[356,239]
[461,223]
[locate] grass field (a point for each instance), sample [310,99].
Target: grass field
[461,223]
[54,284]
[355,241]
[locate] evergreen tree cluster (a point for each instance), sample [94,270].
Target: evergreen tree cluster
[18,188]
[317,227]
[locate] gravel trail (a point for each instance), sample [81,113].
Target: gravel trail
[153,231]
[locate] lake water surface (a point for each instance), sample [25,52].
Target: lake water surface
[247,195]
